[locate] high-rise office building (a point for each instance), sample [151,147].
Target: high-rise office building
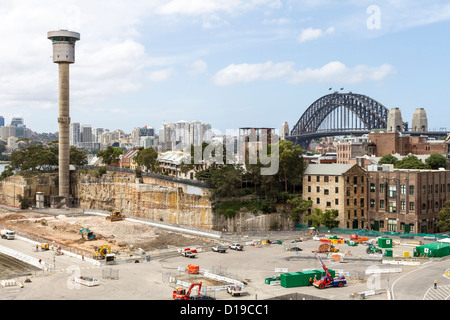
[86,133]
[74,134]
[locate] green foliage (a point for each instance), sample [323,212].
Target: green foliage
[444,217]
[230,208]
[24,202]
[388,159]
[327,218]
[298,207]
[436,161]
[148,158]
[411,162]
[110,155]
[77,157]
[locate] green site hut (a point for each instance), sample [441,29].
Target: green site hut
[300,279]
[435,249]
[385,242]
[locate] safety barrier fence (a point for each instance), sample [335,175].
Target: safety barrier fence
[368,233]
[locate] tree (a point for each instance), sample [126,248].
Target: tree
[291,164]
[327,218]
[444,217]
[110,155]
[299,207]
[436,161]
[77,157]
[411,162]
[388,159]
[147,158]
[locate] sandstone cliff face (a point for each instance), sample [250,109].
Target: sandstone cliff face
[162,201]
[149,198]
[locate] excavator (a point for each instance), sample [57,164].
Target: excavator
[115,216]
[327,280]
[89,234]
[104,252]
[181,294]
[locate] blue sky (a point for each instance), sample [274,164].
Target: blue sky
[230,63]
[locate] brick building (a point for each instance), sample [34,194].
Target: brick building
[338,186]
[406,200]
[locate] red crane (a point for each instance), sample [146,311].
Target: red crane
[327,280]
[181,294]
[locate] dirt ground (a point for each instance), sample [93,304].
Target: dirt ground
[123,236]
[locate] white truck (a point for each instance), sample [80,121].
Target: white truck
[8,234]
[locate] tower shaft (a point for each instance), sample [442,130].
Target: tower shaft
[64,123]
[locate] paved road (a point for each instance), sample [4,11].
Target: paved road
[416,284]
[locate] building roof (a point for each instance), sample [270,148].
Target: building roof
[332,169]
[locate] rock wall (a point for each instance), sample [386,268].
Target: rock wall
[147,198]
[150,198]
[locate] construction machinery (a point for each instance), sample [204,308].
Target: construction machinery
[115,216]
[191,269]
[181,293]
[373,249]
[327,280]
[89,234]
[8,234]
[104,253]
[45,246]
[235,290]
[325,248]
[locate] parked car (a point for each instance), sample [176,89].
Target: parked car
[219,248]
[429,238]
[297,249]
[236,246]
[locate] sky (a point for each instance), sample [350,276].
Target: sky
[230,63]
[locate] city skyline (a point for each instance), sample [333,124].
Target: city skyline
[228,63]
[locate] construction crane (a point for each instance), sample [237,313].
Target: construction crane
[89,234]
[104,253]
[181,294]
[327,280]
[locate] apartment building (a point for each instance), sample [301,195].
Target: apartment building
[342,187]
[406,200]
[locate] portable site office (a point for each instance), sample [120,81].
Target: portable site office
[435,249]
[300,279]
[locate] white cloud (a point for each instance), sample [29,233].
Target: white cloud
[160,75]
[241,73]
[279,21]
[313,34]
[197,67]
[331,72]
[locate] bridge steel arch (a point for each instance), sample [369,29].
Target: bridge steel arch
[370,112]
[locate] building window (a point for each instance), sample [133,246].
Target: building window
[309,188]
[336,201]
[411,206]
[402,189]
[325,179]
[392,225]
[355,213]
[424,189]
[362,213]
[318,189]
[336,190]
[318,178]
[326,192]
[348,191]
[392,207]
[309,178]
[436,188]
[402,205]
[328,204]
[381,224]
[336,179]
[318,200]
[382,188]
[381,204]
[392,192]
[411,190]
[372,203]
[362,202]
[372,187]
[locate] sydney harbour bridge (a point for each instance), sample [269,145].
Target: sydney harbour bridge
[345,114]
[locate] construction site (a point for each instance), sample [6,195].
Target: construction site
[114,256]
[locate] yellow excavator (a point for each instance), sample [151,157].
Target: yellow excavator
[104,253]
[115,216]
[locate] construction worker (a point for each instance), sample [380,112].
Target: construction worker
[435,284]
[310,281]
